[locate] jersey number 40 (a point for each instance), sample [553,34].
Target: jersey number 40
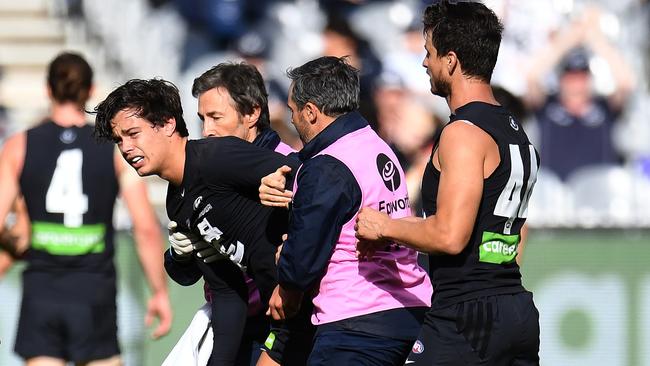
[511,204]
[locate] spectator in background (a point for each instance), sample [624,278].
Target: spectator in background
[254,47]
[575,123]
[341,40]
[408,125]
[217,24]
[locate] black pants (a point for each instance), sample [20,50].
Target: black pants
[229,309]
[499,330]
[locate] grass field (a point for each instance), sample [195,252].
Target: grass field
[592,289]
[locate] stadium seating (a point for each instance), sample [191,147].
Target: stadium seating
[603,196]
[551,203]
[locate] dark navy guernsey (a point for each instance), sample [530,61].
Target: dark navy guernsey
[487,265]
[187,272]
[218,199]
[69,185]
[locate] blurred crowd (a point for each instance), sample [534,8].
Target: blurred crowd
[573,72]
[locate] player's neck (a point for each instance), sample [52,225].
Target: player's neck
[470,90]
[67,115]
[175,161]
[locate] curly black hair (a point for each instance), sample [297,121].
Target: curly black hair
[154,100]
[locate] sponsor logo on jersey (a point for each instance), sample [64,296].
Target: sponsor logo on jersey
[58,239]
[269,341]
[391,206]
[418,347]
[205,210]
[514,124]
[197,202]
[498,248]
[388,172]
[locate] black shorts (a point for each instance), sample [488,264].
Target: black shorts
[289,343]
[492,330]
[66,326]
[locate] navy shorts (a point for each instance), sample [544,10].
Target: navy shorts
[69,315]
[70,331]
[492,330]
[347,347]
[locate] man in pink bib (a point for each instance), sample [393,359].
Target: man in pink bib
[367,312]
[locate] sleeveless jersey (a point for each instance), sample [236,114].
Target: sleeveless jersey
[487,264]
[392,279]
[69,184]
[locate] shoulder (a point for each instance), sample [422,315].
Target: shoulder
[326,168]
[323,163]
[463,132]
[463,138]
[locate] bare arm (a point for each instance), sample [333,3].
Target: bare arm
[549,57]
[12,158]
[601,46]
[585,30]
[6,261]
[462,152]
[148,239]
[522,244]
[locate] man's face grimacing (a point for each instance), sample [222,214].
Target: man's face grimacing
[220,117]
[142,144]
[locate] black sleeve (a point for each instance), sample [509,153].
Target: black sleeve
[235,162]
[185,272]
[328,196]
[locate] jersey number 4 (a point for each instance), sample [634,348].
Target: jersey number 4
[510,203]
[65,194]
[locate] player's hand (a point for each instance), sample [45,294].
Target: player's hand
[207,252]
[368,230]
[159,307]
[181,243]
[284,304]
[278,251]
[272,192]
[370,224]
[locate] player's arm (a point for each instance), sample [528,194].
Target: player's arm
[522,243]
[183,271]
[6,261]
[461,152]
[12,158]
[243,165]
[148,239]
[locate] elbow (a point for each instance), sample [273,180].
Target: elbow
[453,248]
[454,244]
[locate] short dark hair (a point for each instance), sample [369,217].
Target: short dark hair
[243,82]
[70,79]
[155,100]
[469,29]
[331,83]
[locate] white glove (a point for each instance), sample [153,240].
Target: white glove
[181,243]
[207,252]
